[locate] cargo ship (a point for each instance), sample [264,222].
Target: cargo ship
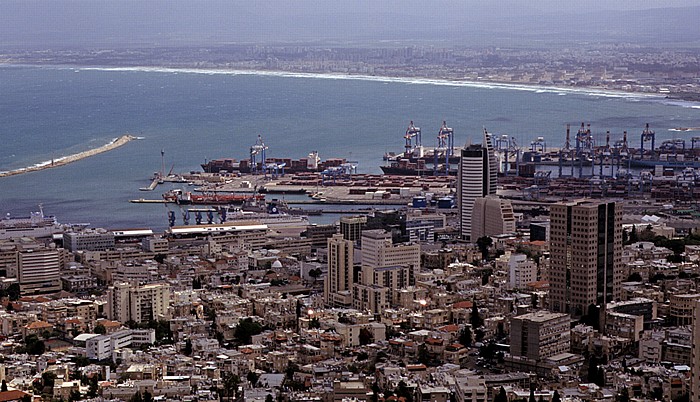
[186,198]
[312,163]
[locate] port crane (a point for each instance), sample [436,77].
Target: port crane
[258,150]
[647,136]
[445,148]
[411,133]
[508,148]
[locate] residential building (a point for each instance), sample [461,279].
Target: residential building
[340,275]
[540,335]
[126,302]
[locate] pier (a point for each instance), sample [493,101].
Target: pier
[71,158]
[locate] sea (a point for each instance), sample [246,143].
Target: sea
[196,115]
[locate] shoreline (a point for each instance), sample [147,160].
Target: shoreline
[64,160]
[482,84]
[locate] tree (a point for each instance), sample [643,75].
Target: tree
[187,350]
[623,396]
[475,319]
[532,395]
[3,386]
[230,384]
[366,336]
[502,396]
[634,236]
[252,377]
[136,398]
[74,396]
[245,330]
[314,323]
[556,397]
[635,277]
[269,398]
[465,336]
[534,300]
[13,292]
[403,391]
[423,355]
[35,346]
[147,397]
[484,243]
[99,329]
[10,308]
[48,378]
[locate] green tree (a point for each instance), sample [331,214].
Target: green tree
[35,346]
[99,329]
[252,377]
[187,350]
[269,398]
[423,355]
[366,336]
[475,319]
[634,236]
[230,384]
[147,397]
[502,396]
[48,378]
[245,330]
[13,292]
[314,323]
[556,397]
[484,243]
[3,386]
[74,396]
[623,396]
[375,392]
[26,398]
[465,336]
[10,308]
[532,396]
[403,391]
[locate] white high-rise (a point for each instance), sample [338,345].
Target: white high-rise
[478,171]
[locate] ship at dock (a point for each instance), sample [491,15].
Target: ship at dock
[258,162]
[417,160]
[35,225]
[188,198]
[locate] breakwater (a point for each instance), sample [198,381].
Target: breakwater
[64,160]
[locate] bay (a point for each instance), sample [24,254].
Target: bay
[49,112]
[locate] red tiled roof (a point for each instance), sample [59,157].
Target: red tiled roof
[463,304]
[12,395]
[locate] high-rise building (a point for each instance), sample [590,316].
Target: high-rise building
[351,227]
[379,251]
[340,275]
[146,303]
[695,359]
[586,252]
[39,270]
[477,174]
[492,215]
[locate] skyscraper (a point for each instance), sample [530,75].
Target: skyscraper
[478,171]
[586,249]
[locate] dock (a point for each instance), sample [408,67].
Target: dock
[145,201]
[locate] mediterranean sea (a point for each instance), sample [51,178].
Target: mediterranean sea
[194,115]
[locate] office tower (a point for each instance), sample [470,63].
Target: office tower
[586,251]
[540,335]
[340,268]
[491,215]
[478,171]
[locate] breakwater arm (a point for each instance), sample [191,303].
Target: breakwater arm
[64,160]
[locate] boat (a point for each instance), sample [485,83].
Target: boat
[312,163]
[186,198]
[35,225]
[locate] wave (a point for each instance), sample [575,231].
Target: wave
[540,89]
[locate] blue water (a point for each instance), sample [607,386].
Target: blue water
[46,113]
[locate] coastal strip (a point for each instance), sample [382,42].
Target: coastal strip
[64,160]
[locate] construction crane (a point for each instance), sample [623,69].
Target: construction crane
[258,150]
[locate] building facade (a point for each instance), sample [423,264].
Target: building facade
[340,275]
[540,335]
[586,252]
[492,215]
[477,174]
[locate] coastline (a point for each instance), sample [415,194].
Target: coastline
[483,84]
[114,144]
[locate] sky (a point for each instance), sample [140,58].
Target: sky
[33,23]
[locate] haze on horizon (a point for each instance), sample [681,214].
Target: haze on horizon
[36,24]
